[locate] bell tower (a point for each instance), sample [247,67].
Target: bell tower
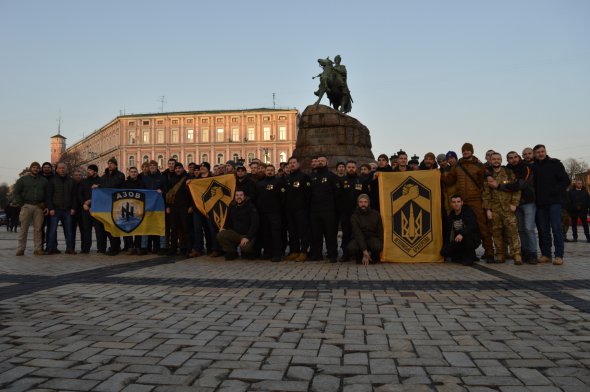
[58,144]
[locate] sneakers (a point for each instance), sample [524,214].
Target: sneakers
[544,259]
[558,261]
[20,252]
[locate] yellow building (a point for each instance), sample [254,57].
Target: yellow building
[196,136]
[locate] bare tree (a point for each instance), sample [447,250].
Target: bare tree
[573,167]
[72,159]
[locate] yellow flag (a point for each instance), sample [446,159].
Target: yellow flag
[212,196]
[410,204]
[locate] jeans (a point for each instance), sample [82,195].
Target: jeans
[525,216]
[144,241]
[66,222]
[549,221]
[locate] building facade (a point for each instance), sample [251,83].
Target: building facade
[212,136]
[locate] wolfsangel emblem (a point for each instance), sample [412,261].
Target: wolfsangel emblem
[128,209]
[216,200]
[411,210]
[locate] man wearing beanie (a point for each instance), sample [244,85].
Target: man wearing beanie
[367,232]
[91,181]
[468,176]
[112,178]
[429,162]
[29,194]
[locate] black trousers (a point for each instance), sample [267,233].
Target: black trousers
[298,226]
[77,225]
[374,246]
[463,251]
[583,217]
[346,228]
[272,236]
[323,226]
[181,223]
[88,223]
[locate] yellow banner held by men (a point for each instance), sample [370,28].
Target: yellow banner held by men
[410,204]
[212,196]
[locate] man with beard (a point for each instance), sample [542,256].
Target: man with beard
[269,200]
[297,196]
[468,177]
[464,234]
[367,233]
[528,156]
[341,169]
[324,192]
[525,213]
[501,210]
[112,178]
[579,201]
[351,187]
[244,182]
[60,204]
[551,181]
[402,162]
[29,194]
[366,172]
[179,205]
[240,227]
[91,181]
[429,162]
[314,164]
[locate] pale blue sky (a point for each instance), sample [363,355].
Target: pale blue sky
[424,75]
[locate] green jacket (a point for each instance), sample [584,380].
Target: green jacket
[30,190]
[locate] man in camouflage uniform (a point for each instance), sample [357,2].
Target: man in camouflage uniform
[500,209]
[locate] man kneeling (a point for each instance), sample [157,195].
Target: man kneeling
[241,225]
[464,238]
[367,233]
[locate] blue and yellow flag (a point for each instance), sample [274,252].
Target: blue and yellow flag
[212,196]
[127,212]
[410,205]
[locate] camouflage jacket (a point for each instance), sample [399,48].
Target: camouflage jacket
[494,199]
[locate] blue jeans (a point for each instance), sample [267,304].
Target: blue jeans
[549,221]
[66,222]
[144,242]
[525,216]
[200,225]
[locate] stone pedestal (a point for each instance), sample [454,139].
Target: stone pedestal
[325,131]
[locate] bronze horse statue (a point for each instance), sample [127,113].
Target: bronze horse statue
[333,83]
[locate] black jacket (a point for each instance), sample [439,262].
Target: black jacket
[524,182]
[60,193]
[86,188]
[269,195]
[464,223]
[132,184]
[351,187]
[182,198]
[297,191]
[243,219]
[366,225]
[324,190]
[247,185]
[551,180]
[578,200]
[112,179]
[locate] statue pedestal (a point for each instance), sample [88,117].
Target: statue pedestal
[325,131]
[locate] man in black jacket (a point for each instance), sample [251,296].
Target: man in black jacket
[240,227]
[179,206]
[60,204]
[551,180]
[269,201]
[367,233]
[112,178]
[464,234]
[297,196]
[133,244]
[579,202]
[91,181]
[244,182]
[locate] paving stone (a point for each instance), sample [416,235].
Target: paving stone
[325,383]
[69,384]
[211,378]
[458,359]
[300,373]
[255,375]
[15,373]
[233,386]
[117,382]
[287,386]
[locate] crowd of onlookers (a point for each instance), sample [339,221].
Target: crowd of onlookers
[513,208]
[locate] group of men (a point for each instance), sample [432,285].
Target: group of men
[273,210]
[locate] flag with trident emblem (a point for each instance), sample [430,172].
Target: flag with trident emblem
[410,205]
[212,196]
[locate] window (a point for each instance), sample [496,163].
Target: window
[219,134]
[146,122]
[266,133]
[219,158]
[205,135]
[205,120]
[146,158]
[131,137]
[266,156]
[250,157]
[219,120]
[282,118]
[266,118]
[160,136]
[234,119]
[251,134]
[282,157]
[131,161]
[282,133]
[235,157]
[175,136]
[131,123]
[146,136]
[204,158]
[160,122]
[174,122]
[251,119]
[160,161]
[235,135]
[190,135]
[189,120]
[175,157]
[189,158]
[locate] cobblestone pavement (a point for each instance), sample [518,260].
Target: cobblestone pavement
[92,322]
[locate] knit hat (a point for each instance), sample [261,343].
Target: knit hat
[207,165]
[178,164]
[452,154]
[441,157]
[429,155]
[35,164]
[93,167]
[113,160]
[231,163]
[363,196]
[241,167]
[467,147]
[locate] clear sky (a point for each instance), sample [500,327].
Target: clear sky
[424,75]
